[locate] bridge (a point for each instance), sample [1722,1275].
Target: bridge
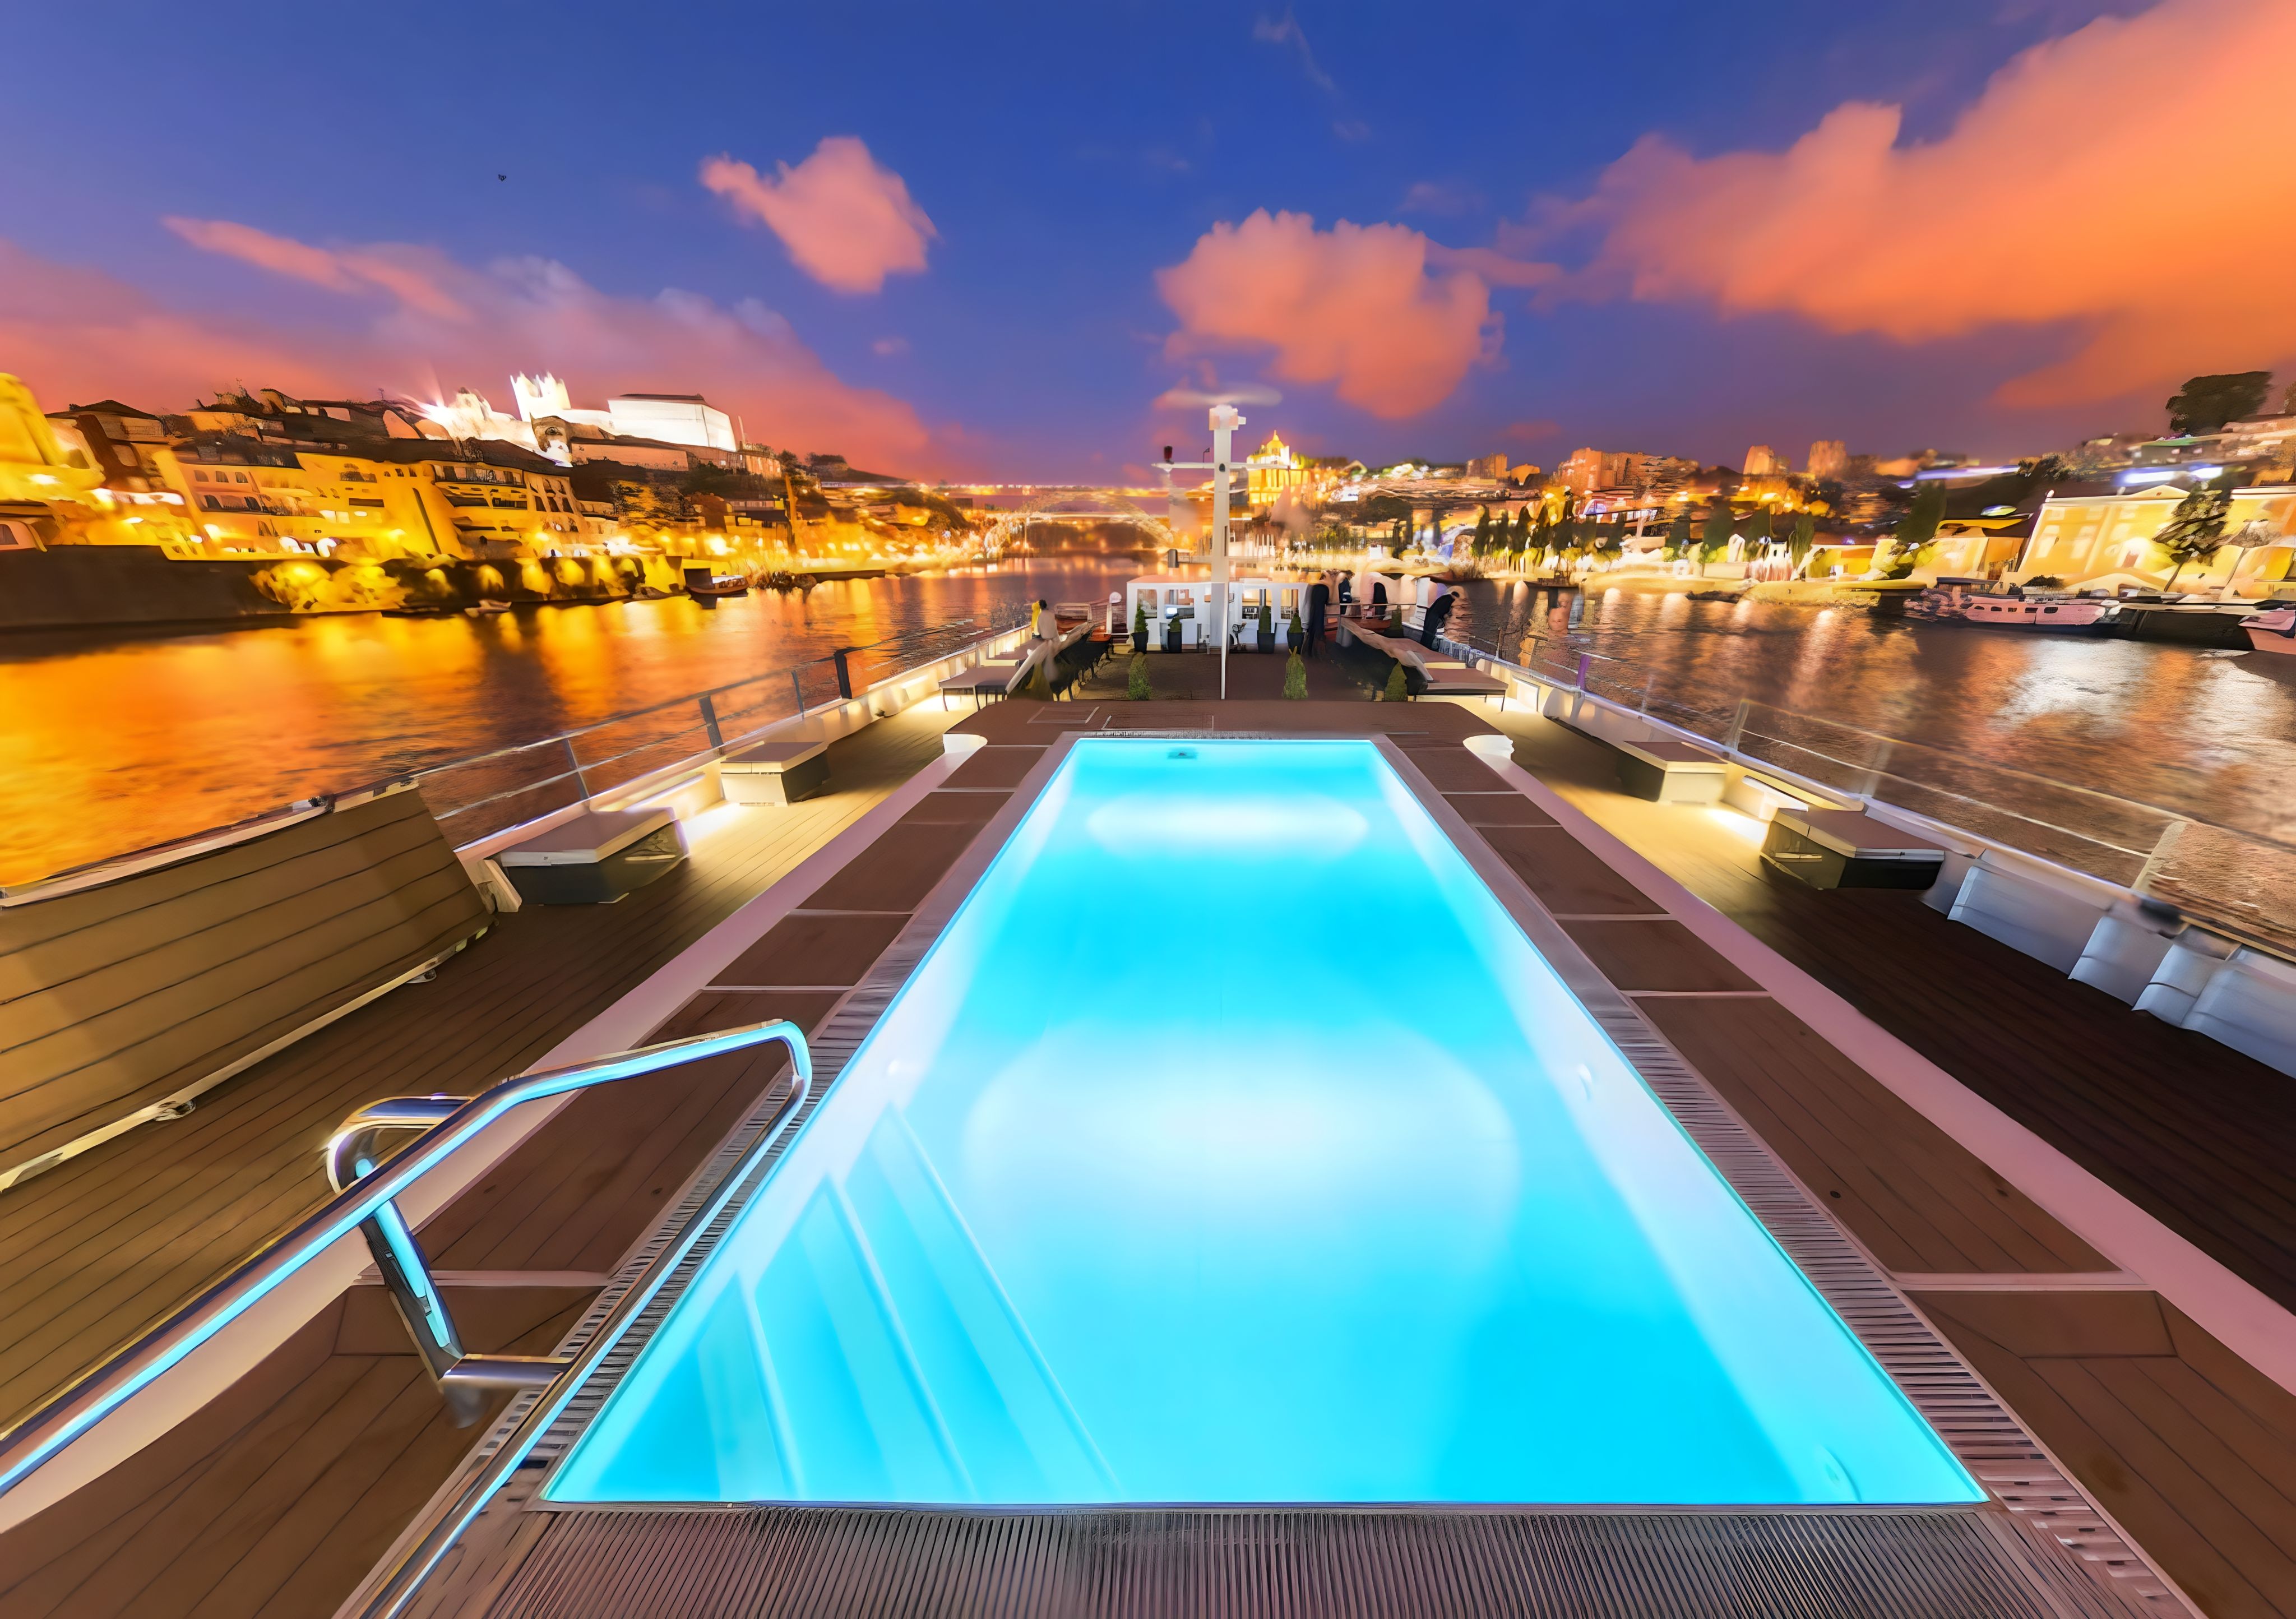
[1077,505]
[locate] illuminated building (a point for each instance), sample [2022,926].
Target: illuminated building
[669,418]
[1269,484]
[2091,532]
[398,498]
[1763,462]
[54,494]
[1829,458]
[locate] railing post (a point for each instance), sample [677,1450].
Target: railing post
[709,722]
[574,763]
[844,672]
[1584,659]
[2154,861]
[797,685]
[1738,725]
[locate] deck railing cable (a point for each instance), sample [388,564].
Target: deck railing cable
[2240,880]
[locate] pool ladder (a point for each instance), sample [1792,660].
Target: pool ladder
[368,1188]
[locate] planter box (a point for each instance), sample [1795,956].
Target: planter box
[1847,848]
[775,773]
[594,859]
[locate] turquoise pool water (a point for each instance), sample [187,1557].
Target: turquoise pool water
[1232,1144]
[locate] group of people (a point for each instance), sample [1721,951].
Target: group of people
[1337,587]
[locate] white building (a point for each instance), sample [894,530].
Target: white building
[672,418]
[676,418]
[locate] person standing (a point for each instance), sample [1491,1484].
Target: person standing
[1319,603]
[1438,614]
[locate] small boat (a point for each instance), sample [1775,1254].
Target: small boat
[1715,595]
[1956,602]
[485,609]
[703,582]
[2272,632]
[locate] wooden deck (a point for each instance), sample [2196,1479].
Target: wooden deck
[276,1499]
[2191,1449]
[95,1250]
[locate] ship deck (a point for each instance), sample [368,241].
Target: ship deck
[277,1497]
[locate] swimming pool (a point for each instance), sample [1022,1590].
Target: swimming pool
[1232,1144]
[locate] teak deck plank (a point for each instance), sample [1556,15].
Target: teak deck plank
[1567,880]
[1918,1199]
[273,1500]
[2203,1475]
[1506,809]
[1655,955]
[809,948]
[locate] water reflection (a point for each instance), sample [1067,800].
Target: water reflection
[2177,727]
[110,744]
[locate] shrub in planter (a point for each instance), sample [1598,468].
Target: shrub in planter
[1398,685]
[1266,628]
[1295,676]
[1140,626]
[1135,685]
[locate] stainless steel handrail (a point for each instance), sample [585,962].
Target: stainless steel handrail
[398,1582]
[36,1440]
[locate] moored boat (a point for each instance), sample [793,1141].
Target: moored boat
[1959,602]
[704,582]
[2273,632]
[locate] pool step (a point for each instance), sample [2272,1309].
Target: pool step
[898,1367]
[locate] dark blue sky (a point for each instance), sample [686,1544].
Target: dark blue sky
[1062,155]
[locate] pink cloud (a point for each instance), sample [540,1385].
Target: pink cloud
[384,269]
[2121,178]
[73,333]
[847,220]
[1357,305]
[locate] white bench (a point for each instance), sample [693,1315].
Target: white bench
[775,773]
[594,859]
[1667,770]
[1849,849]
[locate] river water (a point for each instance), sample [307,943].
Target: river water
[108,744]
[2197,731]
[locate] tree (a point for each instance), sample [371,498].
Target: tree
[2195,531]
[1295,678]
[1721,522]
[1482,540]
[2204,404]
[1522,529]
[1678,538]
[1398,685]
[1135,681]
[1916,529]
[1803,536]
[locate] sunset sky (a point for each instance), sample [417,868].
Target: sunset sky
[991,240]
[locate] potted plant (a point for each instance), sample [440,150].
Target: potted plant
[1135,685]
[1172,633]
[1266,627]
[1295,676]
[1140,625]
[1398,685]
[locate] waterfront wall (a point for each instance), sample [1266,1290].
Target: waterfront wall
[93,587]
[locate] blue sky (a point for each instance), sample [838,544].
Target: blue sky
[1063,155]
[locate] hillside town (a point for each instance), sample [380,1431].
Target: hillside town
[392,504]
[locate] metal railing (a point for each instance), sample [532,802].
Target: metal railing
[2240,882]
[488,792]
[369,1204]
